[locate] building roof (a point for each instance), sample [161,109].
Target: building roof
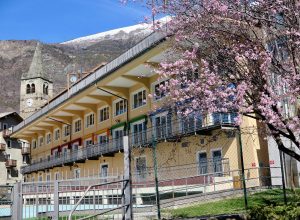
[36,69]
[4,114]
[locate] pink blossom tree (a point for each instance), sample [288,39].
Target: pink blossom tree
[247,57]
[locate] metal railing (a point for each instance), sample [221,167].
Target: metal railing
[123,181]
[170,130]
[10,163]
[93,196]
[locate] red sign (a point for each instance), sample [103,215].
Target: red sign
[271,162]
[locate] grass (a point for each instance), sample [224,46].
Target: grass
[235,205]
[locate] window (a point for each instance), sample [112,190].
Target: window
[57,176]
[191,122]
[90,120]
[103,139]
[8,174]
[5,126]
[28,89]
[64,151]
[48,138]
[48,178]
[140,168]
[67,129]
[104,170]
[139,99]
[104,114]
[118,137]
[160,90]
[138,133]
[34,144]
[45,88]
[202,160]
[25,159]
[77,126]
[9,143]
[88,142]
[57,134]
[188,77]
[120,107]
[162,125]
[76,173]
[32,88]
[55,152]
[217,161]
[41,141]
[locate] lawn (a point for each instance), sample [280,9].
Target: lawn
[235,205]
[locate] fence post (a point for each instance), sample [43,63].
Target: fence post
[17,202]
[56,201]
[156,178]
[243,167]
[127,174]
[282,167]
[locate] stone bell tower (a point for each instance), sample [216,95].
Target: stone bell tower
[36,87]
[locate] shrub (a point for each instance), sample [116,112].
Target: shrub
[280,212]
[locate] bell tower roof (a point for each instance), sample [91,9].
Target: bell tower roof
[36,69]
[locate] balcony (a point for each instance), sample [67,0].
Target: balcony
[166,131]
[10,163]
[25,150]
[6,133]
[2,147]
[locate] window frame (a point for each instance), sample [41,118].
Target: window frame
[101,110]
[67,130]
[144,101]
[153,92]
[48,138]
[79,121]
[56,134]
[115,102]
[88,120]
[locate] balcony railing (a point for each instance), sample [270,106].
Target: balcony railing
[10,163]
[2,147]
[163,132]
[25,150]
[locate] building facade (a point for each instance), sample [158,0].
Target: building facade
[11,157]
[36,87]
[79,134]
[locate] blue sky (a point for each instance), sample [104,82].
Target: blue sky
[54,21]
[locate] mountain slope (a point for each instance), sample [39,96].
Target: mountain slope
[78,54]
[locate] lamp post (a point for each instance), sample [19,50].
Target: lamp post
[127,161]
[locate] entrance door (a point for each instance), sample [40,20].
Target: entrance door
[104,172]
[202,160]
[217,161]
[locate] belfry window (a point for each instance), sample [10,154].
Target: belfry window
[28,89]
[45,88]
[32,88]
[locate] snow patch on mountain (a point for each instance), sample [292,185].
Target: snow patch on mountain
[142,29]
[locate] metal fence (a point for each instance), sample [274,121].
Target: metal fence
[91,196]
[5,201]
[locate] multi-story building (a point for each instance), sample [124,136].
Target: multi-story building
[79,133]
[11,150]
